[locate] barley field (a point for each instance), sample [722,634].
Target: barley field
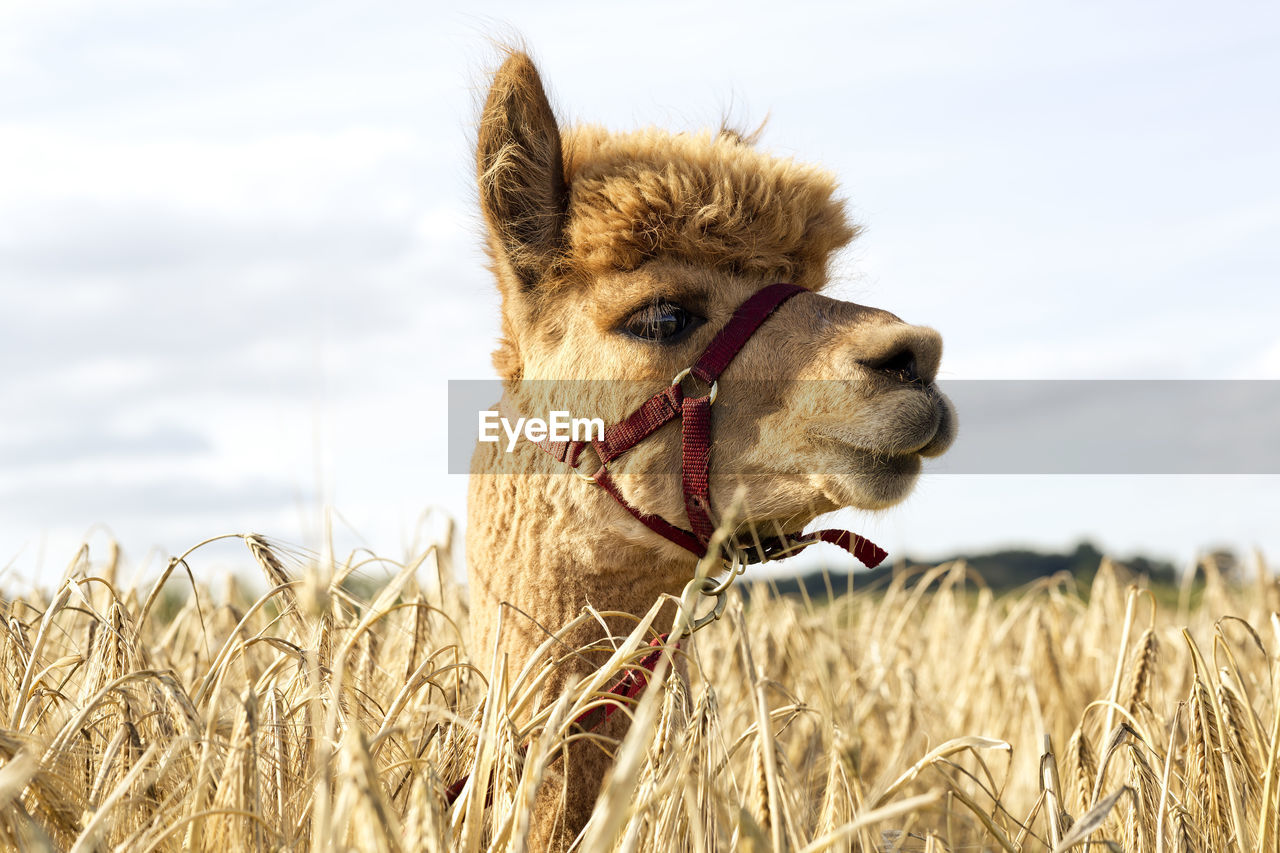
[926,714]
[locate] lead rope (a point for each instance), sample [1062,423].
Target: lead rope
[634,680]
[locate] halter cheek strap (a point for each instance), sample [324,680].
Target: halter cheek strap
[695,445]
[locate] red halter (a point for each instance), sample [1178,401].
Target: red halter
[695,442]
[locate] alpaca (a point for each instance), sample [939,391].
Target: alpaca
[620,256]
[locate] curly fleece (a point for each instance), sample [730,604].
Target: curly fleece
[708,198]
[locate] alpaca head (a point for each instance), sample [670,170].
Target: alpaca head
[619,256]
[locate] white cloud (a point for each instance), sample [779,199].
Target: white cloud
[272,174]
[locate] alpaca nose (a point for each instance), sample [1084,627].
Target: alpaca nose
[910,354]
[901,365]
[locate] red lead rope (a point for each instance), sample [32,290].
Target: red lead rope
[629,686]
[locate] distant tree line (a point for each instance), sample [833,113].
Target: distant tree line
[999,569]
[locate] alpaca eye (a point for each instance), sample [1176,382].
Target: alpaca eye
[662,322]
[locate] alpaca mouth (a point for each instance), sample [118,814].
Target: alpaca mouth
[870,480]
[922,424]
[878,468]
[944,431]
[881,465]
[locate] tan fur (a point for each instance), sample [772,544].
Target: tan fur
[584,228]
[703,198]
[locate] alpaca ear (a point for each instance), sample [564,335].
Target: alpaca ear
[520,173]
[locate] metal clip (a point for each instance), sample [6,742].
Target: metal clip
[712,588]
[715,386]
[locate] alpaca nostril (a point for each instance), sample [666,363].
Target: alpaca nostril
[901,365]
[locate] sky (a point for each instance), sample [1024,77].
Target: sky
[240,257]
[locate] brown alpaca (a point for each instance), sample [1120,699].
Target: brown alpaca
[620,256]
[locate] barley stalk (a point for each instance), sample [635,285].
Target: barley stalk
[322,718]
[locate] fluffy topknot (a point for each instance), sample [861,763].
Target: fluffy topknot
[706,198]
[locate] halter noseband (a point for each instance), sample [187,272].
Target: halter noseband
[695,446]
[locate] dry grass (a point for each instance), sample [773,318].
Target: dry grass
[930,715]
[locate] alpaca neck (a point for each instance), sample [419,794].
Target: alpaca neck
[540,539]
